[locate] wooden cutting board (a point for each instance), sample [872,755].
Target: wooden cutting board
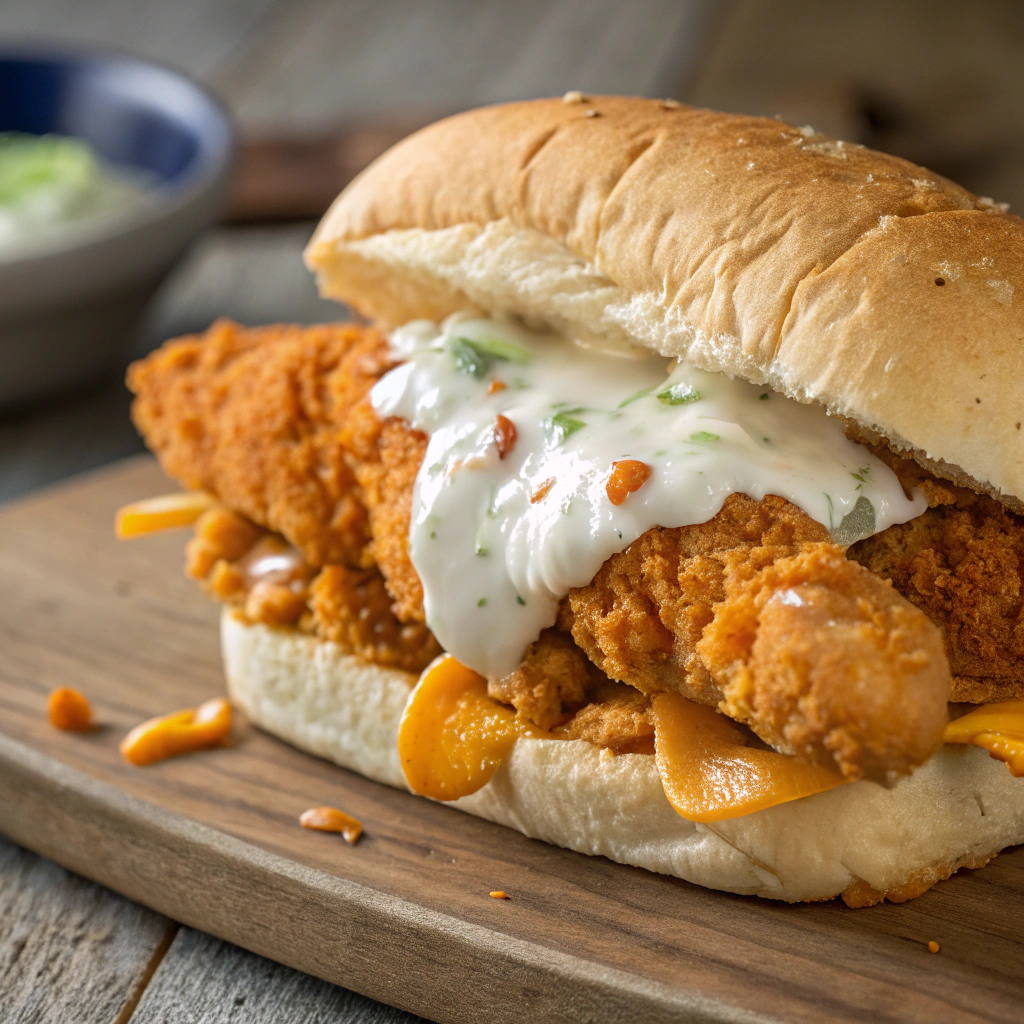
[404,916]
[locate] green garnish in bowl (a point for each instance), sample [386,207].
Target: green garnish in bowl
[50,183]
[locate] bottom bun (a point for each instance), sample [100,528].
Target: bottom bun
[858,840]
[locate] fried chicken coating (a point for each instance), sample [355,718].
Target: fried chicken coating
[554,673]
[617,718]
[828,662]
[352,608]
[853,677]
[641,617]
[558,686]
[253,416]
[386,457]
[962,564]
[262,575]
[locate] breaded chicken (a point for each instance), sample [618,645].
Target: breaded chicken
[253,416]
[617,717]
[756,612]
[554,674]
[641,617]
[386,458]
[962,564]
[827,661]
[266,580]
[275,422]
[352,608]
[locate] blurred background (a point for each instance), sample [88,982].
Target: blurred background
[318,87]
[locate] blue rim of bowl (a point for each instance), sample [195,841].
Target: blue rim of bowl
[212,164]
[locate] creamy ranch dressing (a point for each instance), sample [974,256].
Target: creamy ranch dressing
[495,564]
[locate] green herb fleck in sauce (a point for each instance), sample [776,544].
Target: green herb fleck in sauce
[862,476]
[704,435]
[519,600]
[474,356]
[499,348]
[467,358]
[481,602]
[561,426]
[764,397]
[679,394]
[492,505]
[632,398]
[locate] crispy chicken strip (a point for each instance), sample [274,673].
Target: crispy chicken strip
[827,661]
[253,416]
[641,617]
[962,564]
[757,613]
[643,626]
[271,420]
[386,456]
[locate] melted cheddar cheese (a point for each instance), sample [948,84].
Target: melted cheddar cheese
[452,736]
[709,773]
[998,728]
[162,513]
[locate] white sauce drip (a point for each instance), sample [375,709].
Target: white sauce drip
[494,565]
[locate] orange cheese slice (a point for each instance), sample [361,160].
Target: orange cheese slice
[181,732]
[452,736]
[998,728]
[709,774]
[162,513]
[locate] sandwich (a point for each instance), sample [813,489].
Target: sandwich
[667,503]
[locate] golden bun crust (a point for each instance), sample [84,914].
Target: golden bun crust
[744,244]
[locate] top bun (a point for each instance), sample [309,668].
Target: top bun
[830,272]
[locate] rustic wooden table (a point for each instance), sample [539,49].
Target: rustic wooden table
[74,951]
[934,80]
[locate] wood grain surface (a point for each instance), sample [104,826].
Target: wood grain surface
[404,916]
[238,987]
[70,950]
